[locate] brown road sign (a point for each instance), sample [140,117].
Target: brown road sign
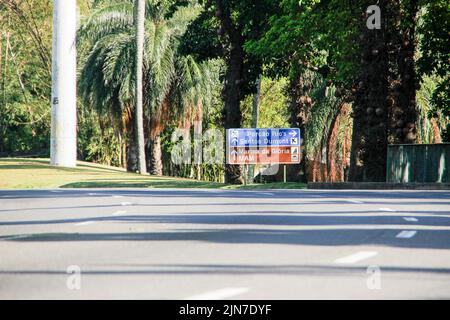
[264,155]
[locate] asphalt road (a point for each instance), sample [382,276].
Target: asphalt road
[215,244]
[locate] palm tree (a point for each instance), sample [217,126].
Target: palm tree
[140,25]
[191,94]
[107,78]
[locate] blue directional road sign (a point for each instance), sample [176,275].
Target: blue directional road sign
[288,137]
[263,146]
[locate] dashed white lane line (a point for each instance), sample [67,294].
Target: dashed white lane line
[355,201]
[219,294]
[85,223]
[119,213]
[387,209]
[406,234]
[126,203]
[410,219]
[116,196]
[16,237]
[359,256]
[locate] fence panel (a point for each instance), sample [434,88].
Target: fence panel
[418,163]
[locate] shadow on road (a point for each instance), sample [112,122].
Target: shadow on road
[427,239]
[231,269]
[248,225]
[272,217]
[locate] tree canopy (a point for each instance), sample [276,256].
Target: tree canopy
[312,64]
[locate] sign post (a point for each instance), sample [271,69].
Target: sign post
[263,146]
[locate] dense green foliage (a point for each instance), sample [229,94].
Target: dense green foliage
[322,70]
[25,41]
[435,53]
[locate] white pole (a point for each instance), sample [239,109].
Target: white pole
[63,144]
[140,38]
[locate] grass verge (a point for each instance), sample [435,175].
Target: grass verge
[21,173]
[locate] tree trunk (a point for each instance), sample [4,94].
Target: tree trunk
[332,168]
[198,152]
[297,119]
[140,22]
[155,161]
[132,159]
[121,160]
[129,140]
[369,143]
[231,95]
[255,106]
[402,95]
[255,117]
[124,152]
[233,42]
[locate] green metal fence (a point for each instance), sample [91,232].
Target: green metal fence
[418,163]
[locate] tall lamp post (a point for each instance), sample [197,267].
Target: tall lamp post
[63,144]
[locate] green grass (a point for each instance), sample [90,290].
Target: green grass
[19,173]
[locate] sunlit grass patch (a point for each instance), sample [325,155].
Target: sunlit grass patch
[20,173]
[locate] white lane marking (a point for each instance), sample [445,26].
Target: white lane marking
[359,256]
[85,223]
[219,294]
[126,203]
[355,201]
[410,219]
[406,234]
[117,196]
[55,191]
[17,237]
[387,209]
[119,213]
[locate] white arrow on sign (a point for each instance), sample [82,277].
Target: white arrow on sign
[234,154]
[293,133]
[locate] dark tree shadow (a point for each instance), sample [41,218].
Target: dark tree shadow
[426,239]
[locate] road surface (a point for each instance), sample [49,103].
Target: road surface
[216,244]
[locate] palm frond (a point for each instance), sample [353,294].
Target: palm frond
[107,19]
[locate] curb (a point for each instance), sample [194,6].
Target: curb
[378,186]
